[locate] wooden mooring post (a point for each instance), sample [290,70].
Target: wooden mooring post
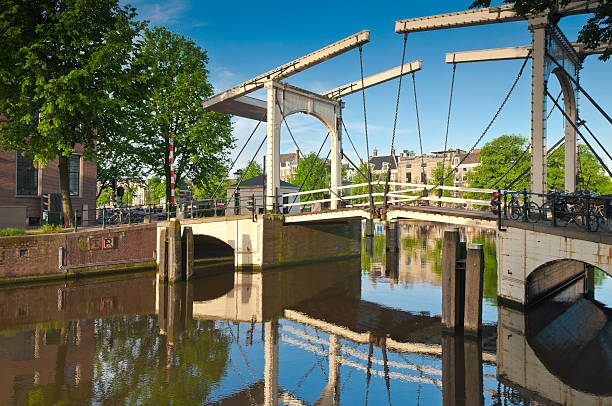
[162,254]
[175,252]
[188,246]
[462,284]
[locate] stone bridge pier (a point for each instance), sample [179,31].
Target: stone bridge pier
[535,261]
[269,241]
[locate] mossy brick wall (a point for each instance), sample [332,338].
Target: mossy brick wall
[309,242]
[37,256]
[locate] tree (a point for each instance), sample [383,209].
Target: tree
[596,31]
[173,81]
[61,62]
[589,169]
[317,178]
[448,178]
[498,157]
[505,153]
[252,170]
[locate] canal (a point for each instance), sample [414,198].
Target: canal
[358,331]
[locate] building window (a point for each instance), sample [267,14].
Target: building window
[408,166]
[456,161]
[464,169]
[27,175]
[409,177]
[424,165]
[74,170]
[385,166]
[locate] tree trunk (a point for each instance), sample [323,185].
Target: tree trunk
[64,176]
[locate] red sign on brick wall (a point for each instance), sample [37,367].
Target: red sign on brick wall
[108,243]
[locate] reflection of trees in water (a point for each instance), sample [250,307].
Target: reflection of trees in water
[131,362]
[130,365]
[429,246]
[378,254]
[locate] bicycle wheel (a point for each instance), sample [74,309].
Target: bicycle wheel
[515,211]
[591,225]
[546,212]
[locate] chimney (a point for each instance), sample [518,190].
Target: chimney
[297,156]
[375,152]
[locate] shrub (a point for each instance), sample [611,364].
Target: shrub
[5,232]
[50,228]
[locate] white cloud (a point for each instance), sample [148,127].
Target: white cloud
[161,12]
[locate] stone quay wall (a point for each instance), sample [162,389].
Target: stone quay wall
[55,256]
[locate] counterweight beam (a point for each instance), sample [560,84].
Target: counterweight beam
[291,68]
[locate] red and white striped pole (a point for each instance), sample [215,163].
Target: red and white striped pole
[172,170]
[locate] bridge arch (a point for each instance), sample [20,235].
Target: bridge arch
[284,100]
[571,146]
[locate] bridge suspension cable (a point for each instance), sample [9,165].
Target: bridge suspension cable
[526,171]
[365,122]
[499,109]
[397,101]
[350,139]
[235,160]
[245,172]
[573,124]
[309,169]
[448,117]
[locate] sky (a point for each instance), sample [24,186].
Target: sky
[245,39]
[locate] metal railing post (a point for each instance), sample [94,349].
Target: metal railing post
[553,209]
[129,216]
[149,213]
[75,220]
[525,206]
[506,204]
[103,217]
[588,211]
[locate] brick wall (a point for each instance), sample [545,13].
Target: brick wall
[38,255]
[48,183]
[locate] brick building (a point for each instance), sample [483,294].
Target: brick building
[421,169]
[23,183]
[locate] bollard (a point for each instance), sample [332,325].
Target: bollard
[175,253]
[188,244]
[162,254]
[452,278]
[472,347]
[474,274]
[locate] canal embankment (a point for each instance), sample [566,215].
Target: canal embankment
[68,255]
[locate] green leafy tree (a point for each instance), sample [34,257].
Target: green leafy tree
[61,63]
[252,170]
[596,31]
[172,77]
[157,189]
[589,169]
[498,157]
[449,176]
[317,178]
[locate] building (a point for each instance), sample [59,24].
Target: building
[288,165]
[254,187]
[23,182]
[421,168]
[381,164]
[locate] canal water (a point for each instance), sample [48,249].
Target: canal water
[353,332]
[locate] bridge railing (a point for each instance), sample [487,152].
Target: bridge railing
[584,209]
[399,194]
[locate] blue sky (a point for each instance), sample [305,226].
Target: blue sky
[244,39]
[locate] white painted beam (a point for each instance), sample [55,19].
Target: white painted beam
[374,80]
[498,54]
[290,68]
[482,16]
[243,106]
[520,52]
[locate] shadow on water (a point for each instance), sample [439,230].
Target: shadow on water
[352,332]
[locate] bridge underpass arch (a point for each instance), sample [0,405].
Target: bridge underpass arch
[573,277]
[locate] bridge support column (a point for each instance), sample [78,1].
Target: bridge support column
[271,364]
[336,159]
[539,76]
[275,118]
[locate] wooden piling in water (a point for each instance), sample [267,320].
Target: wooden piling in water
[589,281]
[474,274]
[453,281]
[175,252]
[188,244]
[162,255]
